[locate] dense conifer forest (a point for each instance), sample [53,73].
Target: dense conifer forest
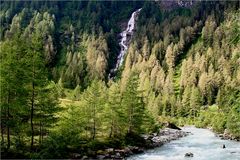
[182,66]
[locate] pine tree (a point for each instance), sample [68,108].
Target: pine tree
[94,104]
[114,111]
[43,101]
[208,30]
[158,51]
[96,56]
[195,102]
[37,77]
[13,94]
[170,56]
[202,84]
[186,101]
[133,104]
[46,110]
[146,49]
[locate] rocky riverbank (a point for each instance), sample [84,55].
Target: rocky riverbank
[151,141]
[228,136]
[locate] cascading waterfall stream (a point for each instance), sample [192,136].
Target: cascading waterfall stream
[126,36]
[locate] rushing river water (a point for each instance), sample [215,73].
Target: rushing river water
[202,143]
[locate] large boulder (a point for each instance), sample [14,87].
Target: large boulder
[173,126]
[189,154]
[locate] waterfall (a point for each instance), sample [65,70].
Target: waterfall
[126,36]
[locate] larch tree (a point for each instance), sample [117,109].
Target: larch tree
[13,94]
[195,102]
[42,101]
[186,101]
[170,57]
[146,49]
[94,105]
[133,104]
[114,111]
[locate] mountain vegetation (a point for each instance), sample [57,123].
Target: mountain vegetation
[182,66]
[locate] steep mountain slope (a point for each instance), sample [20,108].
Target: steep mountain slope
[67,27]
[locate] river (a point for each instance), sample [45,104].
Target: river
[202,143]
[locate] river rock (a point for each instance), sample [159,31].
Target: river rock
[100,152]
[151,141]
[101,156]
[135,149]
[172,126]
[76,155]
[84,157]
[118,155]
[228,136]
[189,154]
[110,150]
[128,151]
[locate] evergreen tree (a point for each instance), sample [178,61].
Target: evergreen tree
[42,98]
[186,101]
[133,104]
[114,111]
[93,106]
[195,102]
[13,94]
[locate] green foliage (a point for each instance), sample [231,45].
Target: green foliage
[27,94]
[133,105]
[54,147]
[13,95]
[218,122]
[115,117]
[233,120]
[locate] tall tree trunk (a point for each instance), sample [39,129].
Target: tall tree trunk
[31,118]
[40,127]
[32,105]
[40,132]
[8,128]
[3,125]
[94,122]
[130,119]
[111,130]
[2,132]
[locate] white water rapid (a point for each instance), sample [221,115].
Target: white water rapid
[202,143]
[126,36]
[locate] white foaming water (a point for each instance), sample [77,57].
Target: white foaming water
[123,43]
[202,143]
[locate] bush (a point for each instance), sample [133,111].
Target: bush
[134,139]
[54,146]
[233,122]
[219,122]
